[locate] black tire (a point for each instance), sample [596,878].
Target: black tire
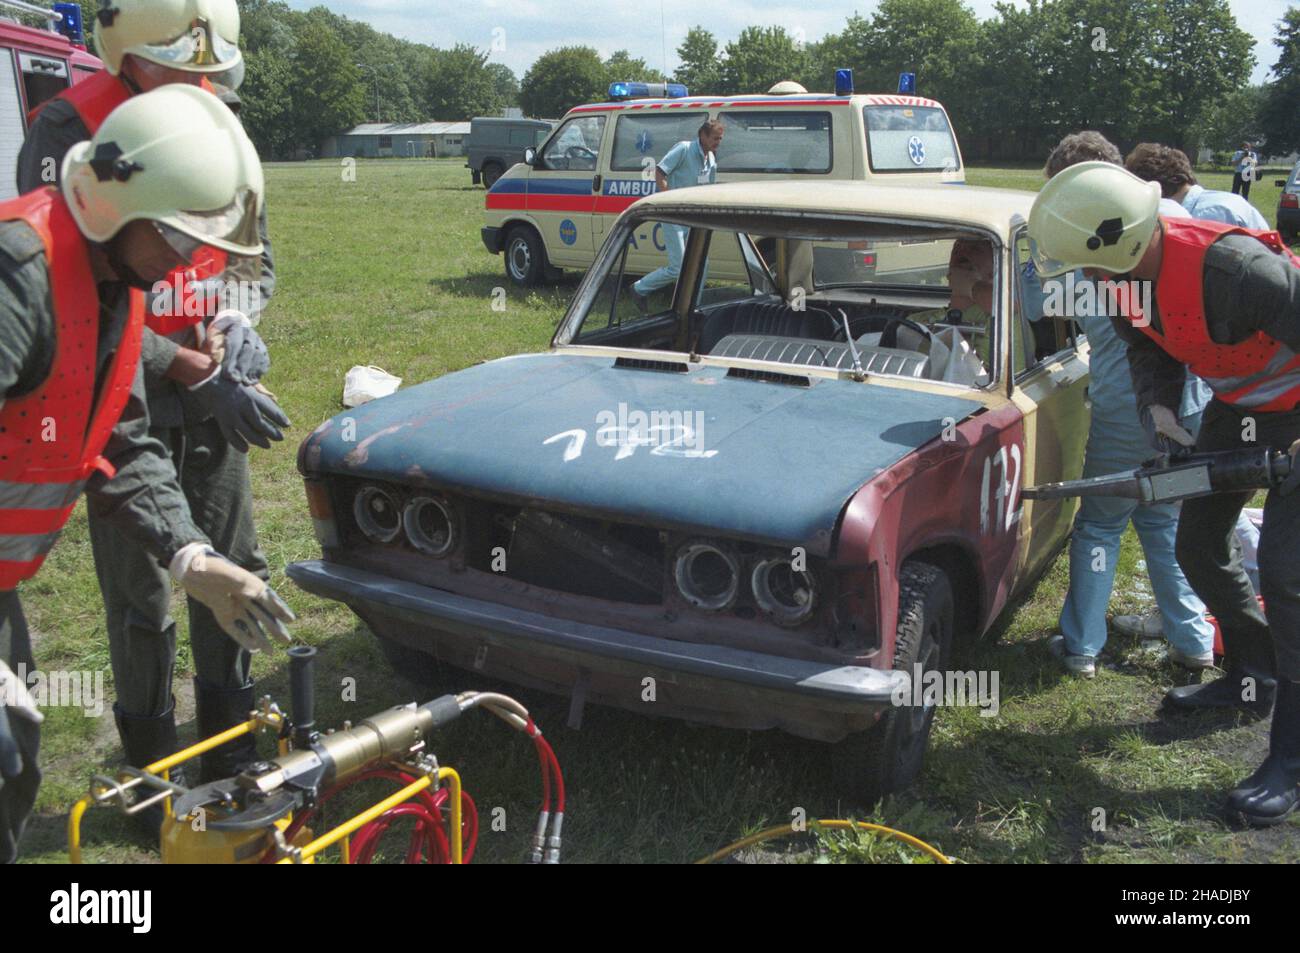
[888,758]
[525,256]
[490,173]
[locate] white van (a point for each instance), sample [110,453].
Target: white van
[552,210]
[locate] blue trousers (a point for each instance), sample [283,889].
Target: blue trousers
[1094,551]
[674,237]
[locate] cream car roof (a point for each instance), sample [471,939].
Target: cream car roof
[986,208]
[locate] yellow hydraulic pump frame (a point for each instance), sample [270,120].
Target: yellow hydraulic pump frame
[183,843]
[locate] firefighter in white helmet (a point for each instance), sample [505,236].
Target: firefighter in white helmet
[169,173]
[203,363]
[1225,303]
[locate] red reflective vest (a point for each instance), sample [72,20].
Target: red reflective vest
[93,99]
[52,438]
[1259,373]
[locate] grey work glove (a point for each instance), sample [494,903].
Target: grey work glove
[15,702]
[237,347]
[246,608]
[1164,430]
[245,413]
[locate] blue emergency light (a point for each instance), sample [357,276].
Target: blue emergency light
[907,82]
[844,82]
[647,91]
[69,23]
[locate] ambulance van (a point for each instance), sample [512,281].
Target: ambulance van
[551,211]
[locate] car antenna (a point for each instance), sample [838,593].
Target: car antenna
[858,373]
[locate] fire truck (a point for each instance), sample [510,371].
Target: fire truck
[36,63]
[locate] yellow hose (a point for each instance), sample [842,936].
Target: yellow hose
[785,830]
[74,829]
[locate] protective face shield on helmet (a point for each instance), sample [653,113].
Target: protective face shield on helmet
[177,157]
[196,36]
[1092,215]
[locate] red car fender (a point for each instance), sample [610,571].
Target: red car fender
[944,494]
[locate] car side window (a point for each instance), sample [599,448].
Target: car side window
[732,271]
[576,146]
[1036,336]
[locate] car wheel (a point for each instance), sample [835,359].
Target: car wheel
[888,758]
[525,256]
[491,172]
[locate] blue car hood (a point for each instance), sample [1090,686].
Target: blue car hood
[764,461]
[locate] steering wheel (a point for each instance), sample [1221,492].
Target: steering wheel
[579,152]
[889,336]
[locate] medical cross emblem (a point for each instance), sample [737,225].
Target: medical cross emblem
[916,150]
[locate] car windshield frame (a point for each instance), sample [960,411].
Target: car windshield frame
[733,220]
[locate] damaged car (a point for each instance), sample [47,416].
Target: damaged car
[774,493]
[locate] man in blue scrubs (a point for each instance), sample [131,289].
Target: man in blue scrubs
[690,162]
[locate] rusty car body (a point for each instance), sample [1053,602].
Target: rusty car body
[768,495]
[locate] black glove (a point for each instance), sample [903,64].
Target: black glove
[1292,481]
[245,414]
[11,760]
[245,358]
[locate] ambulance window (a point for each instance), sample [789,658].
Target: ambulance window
[909,139]
[576,146]
[638,138]
[783,141]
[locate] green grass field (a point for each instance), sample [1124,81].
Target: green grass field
[389,270]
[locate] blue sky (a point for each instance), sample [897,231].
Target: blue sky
[518,31]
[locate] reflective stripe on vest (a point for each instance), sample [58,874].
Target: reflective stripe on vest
[1259,373]
[51,439]
[93,99]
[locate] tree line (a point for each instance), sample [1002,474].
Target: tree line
[1175,71]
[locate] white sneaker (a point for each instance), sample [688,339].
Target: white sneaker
[1084,666]
[1146,626]
[1195,662]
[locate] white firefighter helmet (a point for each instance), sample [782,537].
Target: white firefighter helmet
[1093,215]
[177,157]
[195,36]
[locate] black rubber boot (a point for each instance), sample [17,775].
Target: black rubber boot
[146,740]
[216,710]
[1273,791]
[1226,692]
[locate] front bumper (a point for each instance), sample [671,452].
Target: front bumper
[491,238]
[850,689]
